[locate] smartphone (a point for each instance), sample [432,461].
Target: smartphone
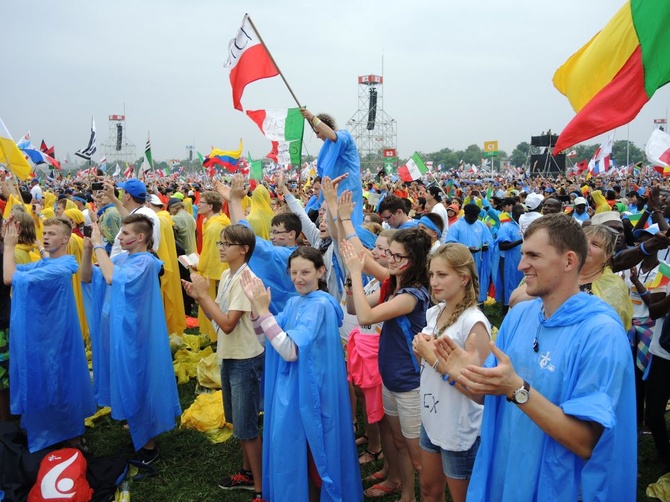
[96,185]
[88,230]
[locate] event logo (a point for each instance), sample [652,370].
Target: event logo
[52,487]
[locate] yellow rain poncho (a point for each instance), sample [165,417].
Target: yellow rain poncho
[76,248]
[210,264]
[261,212]
[610,288]
[170,281]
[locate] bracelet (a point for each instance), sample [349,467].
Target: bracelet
[453,382]
[445,377]
[42,251]
[647,211]
[334,219]
[351,235]
[434,366]
[99,246]
[345,219]
[644,250]
[315,121]
[646,292]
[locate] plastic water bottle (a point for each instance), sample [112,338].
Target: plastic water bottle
[125,492]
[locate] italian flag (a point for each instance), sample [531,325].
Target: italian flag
[11,156]
[284,128]
[612,77]
[413,170]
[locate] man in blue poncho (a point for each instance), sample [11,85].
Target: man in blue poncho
[339,156]
[50,386]
[559,405]
[132,364]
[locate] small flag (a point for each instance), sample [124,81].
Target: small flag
[148,162]
[662,276]
[255,169]
[11,156]
[117,170]
[227,159]
[248,60]
[572,154]
[413,170]
[128,173]
[600,162]
[103,164]
[91,148]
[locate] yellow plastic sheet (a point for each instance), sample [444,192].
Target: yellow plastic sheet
[206,415]
[661,489]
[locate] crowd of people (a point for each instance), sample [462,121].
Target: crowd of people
[348,296]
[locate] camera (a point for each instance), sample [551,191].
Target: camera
[96,185]
[88,230]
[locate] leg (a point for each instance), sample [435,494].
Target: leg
[458,489]
[433,480]
[404,461]
[658,391]
[252,451]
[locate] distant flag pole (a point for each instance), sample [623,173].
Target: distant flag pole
[260,39]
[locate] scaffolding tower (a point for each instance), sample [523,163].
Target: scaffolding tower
[372,128]
[118,148]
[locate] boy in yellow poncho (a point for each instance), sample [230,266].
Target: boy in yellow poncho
[210,265]
[261,213]
[170,281]
[75,247]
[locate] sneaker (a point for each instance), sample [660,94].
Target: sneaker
[259,498]
[242,480]
[146,457]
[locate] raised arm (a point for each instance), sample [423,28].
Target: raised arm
[11,239]
[318,126]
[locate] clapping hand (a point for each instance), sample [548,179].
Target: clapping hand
[255,291]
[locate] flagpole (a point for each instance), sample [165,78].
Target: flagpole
[273,61]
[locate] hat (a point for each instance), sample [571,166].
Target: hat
[619,206]
[35,180]
[154,200]
[174,200]
[579,201]
[134,187]
[651,229]
[178,195]
[604,217]
[75,215]
[454,208]
[549,190]
[533,201]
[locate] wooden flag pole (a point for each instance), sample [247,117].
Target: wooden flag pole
[273,61]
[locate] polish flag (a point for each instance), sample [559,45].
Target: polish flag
[248,60]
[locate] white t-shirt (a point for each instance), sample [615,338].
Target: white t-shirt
[36,192]
[350,321]
[640,308]
[116,247]
[655,347]
[452,420]
[242,342]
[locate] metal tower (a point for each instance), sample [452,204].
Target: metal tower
[118,148]
[372,128]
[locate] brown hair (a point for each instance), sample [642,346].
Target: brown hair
[564,234]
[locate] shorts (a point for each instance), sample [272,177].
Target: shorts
[4,359]
[407,407]
[455,464]
[241,389]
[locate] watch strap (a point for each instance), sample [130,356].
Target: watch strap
[525,386]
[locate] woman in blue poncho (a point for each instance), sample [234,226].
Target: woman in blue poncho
[309,451]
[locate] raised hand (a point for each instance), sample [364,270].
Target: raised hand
[352,260]
[255,291]
[499,381]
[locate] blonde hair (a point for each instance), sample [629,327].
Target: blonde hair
[458,258]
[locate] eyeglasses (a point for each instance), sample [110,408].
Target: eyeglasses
[225,245]
[277,232]
[395,256]
[382,251]
[387,217]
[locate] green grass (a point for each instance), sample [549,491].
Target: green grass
[190,465]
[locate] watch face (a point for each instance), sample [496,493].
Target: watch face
[521,396]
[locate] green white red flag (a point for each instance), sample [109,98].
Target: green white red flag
[413,170]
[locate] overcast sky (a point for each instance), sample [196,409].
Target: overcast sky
[455,72]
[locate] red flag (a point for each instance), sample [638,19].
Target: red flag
[248,60]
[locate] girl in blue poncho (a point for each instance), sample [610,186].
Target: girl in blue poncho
[309,451]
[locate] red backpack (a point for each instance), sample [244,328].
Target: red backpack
[62,478]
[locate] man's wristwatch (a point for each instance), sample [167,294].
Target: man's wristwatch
[520,395]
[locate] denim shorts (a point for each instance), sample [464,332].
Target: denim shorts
[241,389]
[407,407]
[455,464]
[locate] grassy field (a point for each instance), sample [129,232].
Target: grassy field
[190,465]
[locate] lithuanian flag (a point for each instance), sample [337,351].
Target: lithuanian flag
[610,79]
[662,277]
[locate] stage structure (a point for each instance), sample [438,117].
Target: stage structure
[542,161]
[374,131]
[118,148]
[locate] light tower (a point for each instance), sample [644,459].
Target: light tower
[372,128]
[118,148]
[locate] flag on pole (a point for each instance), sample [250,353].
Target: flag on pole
[103,164]
[658,150]
[601,162]
[117,170]
[91,148]
[128,173]
[35,155]
[148,162]
[610,79]
[49,151]
[255,168]
[11,156]
[227,159]
[662,276]
[248,60]
[413,170]
[285,129]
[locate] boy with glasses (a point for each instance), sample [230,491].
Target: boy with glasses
[239,350]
